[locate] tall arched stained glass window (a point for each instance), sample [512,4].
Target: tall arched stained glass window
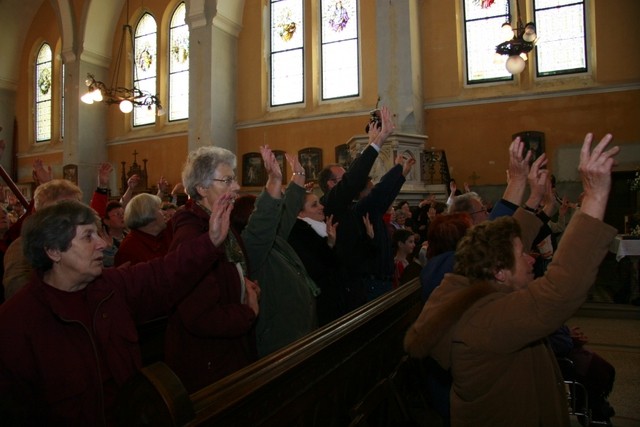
[43,82]
[287,52]
[340,64]
[178,65]
[145,54]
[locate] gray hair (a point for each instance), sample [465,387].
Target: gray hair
[200,167]
[462,203]
[141,210]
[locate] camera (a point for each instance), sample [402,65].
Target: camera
[375,119]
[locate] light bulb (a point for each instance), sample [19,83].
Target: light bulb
[506,32]
[97,95]
[126,106]
[87,98]
[524,56]
[515,64]
[529,32]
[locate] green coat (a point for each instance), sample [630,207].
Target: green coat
[288,295]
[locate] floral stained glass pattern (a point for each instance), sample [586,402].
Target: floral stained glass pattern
[287,52]
[340,51]
[145,55]
[179,65]
[43,93]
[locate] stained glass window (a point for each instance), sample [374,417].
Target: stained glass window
[340,64]
[561,47]
[287,52]
[145,54]
[43,82]
[482,35]
[178,65]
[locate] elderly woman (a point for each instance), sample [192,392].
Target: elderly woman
[210,335]
[148,237]
[488,322]
[288,298]
[69,338]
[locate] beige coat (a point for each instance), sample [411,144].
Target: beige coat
[494,339]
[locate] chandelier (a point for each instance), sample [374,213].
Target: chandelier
[519,41]
[126,98]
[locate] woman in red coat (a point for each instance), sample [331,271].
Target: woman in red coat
[69,339]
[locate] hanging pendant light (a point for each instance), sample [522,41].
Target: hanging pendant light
[519,41]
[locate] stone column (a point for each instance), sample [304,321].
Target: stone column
[213,45]
[399,62]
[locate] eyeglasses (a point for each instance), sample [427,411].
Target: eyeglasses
[483,210]
[228,180]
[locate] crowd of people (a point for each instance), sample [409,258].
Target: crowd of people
[240,276]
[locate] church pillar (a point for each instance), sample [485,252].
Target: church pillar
[399,62]
[213,45]
[85,131]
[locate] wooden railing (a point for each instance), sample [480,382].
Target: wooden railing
[315,381]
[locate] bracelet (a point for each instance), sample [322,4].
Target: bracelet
[300,173]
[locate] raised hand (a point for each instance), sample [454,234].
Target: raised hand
[219,219]
[298,173]
[104,172]
[271,164]
[537,181]
[595,171]
[368,226]
[252,295]
[331,231]
[133,181]
[517,173]
[40,174]
[378,136]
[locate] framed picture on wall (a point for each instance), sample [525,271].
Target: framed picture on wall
[311,161]
[282,161]
[253,172]
[70,173]
[343,156]
[533,140]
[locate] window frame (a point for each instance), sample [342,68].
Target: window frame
[170,73]
[321,55]
[572,71]
[134,71]
[36,101]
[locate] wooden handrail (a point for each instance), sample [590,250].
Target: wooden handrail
[314,381]
[14,188]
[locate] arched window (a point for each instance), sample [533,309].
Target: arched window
[287,52]
[482,32]
[340,59]
[178,65]
[43,89]
[562,48]
[145,49]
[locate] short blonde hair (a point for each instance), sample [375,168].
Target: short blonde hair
[54,191]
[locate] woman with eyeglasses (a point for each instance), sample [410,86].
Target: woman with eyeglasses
[211,333]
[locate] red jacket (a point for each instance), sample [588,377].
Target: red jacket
[52,365]
[138,246]
[211,334]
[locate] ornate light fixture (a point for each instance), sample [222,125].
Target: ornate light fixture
[518,42]
[126,98]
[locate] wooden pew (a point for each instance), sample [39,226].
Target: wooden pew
[315,381]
